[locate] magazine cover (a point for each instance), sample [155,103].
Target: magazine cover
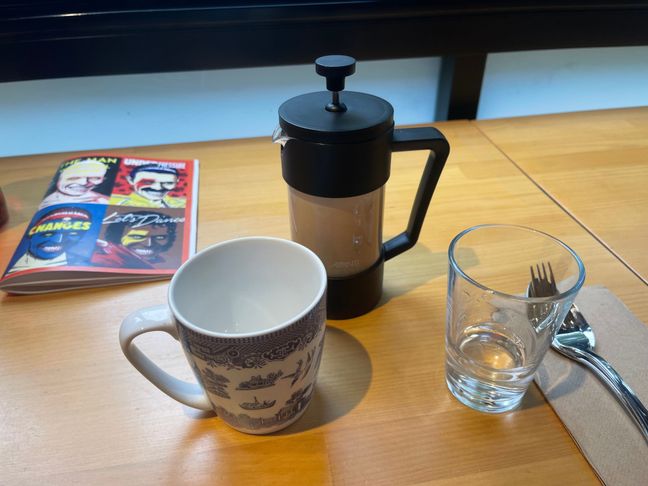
[108,219]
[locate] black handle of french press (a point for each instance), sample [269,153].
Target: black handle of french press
[424,138]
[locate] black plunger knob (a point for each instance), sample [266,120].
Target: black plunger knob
[335,69]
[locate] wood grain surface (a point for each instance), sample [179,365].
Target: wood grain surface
[74,411]
[594,164]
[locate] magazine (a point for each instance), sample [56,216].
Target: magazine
[106,220]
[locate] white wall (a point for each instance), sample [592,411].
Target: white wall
[121,111]
[128,110]
[538,82]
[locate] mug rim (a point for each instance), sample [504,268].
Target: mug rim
[460,271]
[282,325]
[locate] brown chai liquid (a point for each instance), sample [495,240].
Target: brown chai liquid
[346,233]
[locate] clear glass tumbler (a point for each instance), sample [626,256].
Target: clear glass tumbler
[496,335]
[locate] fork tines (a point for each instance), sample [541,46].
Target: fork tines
[544,284]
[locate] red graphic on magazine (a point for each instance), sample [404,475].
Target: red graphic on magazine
[150,184]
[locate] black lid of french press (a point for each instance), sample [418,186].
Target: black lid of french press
[335,116]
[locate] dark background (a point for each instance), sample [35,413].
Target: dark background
[53,39]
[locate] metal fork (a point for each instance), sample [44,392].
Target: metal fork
[575,339]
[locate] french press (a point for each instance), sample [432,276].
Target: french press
[335,157]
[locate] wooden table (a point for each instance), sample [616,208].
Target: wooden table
[73,410]
[594,165]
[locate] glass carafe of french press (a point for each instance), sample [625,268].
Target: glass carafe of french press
[335,157]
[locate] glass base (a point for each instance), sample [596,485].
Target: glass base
[481,396]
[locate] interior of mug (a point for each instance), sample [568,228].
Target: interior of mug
[247,286]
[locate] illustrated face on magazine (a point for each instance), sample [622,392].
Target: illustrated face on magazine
[52,244]
[149,242]
[88,179]
[148,235]
[153,183]
[150,184]
[57,231]
[76,180]
[58,235]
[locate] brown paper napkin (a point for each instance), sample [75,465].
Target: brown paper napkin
[605,433]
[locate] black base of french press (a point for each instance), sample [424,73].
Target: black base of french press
[355,295]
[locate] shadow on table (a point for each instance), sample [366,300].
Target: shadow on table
[343,380]
[533,398]
[23,198]
[565,384]
[416,267]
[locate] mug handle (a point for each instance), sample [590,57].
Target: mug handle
[158,318]
[421,138]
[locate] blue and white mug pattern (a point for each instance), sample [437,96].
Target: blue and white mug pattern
[263,383]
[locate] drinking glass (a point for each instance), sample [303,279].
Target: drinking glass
[496,335]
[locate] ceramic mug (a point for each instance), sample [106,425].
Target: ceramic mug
[250,315]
